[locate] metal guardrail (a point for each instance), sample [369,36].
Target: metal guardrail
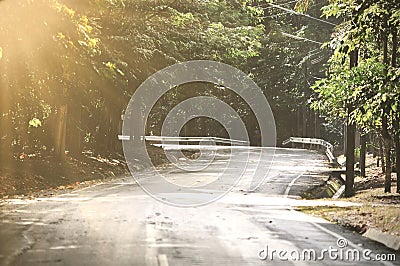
[164,139]
[312,141]
[309,141]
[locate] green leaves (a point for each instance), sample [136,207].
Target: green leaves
[35,122]
[233,45]
[372,88]
[337,8]
[366,88]
[303,5]
[182,19]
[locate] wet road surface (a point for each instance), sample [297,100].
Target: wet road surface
[116,223]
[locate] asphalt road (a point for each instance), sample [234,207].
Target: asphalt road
[117,223]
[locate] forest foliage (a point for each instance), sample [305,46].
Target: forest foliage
[363,80]
[68,67]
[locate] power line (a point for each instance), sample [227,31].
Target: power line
[300,38]
[301,14]
[286,3]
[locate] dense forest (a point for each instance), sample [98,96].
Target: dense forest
[363,83]
[69,67]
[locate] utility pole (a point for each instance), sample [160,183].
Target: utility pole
[350,140]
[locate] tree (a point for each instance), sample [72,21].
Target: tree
[373,88]
[75,75]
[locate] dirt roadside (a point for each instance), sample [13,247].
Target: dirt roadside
[378,210]
[39,174]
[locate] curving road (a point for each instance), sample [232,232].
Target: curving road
[116,223]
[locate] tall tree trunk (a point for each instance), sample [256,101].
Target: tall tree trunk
[267,22]
[299,120]
[61,125]
[385,127]
[102,134]
[75,130]
[266,19]
[394,47]
[350,146]
[363,152]
[114,116]
[397,147]
[396,125]
[305,122]
[61,132]
[114,130]
[386,148]
[382,155]
[317,126]
[5,123]
[350,141]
